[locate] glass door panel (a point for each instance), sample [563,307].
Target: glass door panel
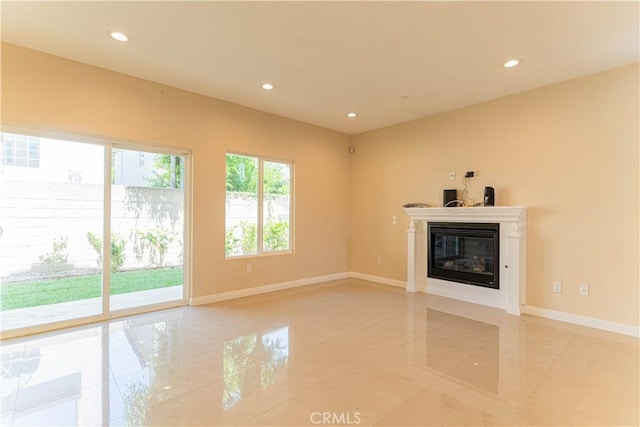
[147,228]
[51,222]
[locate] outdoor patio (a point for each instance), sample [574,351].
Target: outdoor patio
[31,316]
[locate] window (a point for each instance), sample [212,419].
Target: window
[258,206]
[20,150]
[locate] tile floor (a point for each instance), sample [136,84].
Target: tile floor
[341,353]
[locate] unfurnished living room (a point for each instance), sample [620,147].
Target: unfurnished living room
[320,213]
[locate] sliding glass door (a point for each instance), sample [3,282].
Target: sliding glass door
[80,222]
[147,228]
[51,207]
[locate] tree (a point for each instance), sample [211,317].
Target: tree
[167,172]
[276,178]
[242,174]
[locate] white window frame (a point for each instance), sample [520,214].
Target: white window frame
[260,197]
[32,159]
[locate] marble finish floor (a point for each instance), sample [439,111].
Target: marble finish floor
[347,352]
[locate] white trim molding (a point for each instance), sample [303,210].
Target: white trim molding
[561,316]
[258,290]
[379,279]
[590,322]
[274,287]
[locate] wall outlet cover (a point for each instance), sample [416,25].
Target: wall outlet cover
[583,290]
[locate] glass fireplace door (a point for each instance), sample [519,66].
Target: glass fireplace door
[465,253]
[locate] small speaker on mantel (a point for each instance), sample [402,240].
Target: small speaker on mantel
[489,196]
[448,197]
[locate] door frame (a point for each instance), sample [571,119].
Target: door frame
[108,145]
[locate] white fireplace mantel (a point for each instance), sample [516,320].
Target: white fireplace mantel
[512,219]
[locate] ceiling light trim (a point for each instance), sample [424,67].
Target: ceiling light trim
[118,35]
[511,63]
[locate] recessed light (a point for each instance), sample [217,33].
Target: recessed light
[118,35]
[352,115]
[511,63]
[267,86]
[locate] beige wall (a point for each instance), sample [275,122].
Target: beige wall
[48,92]
[568,152]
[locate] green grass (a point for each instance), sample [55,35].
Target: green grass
[51,291]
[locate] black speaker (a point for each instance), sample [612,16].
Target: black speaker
[448,197]
[489,196]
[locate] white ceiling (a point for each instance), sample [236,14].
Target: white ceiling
[330,58]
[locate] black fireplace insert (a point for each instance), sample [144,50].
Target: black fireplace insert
[465,253]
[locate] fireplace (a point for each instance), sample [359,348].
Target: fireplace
[466,253]
[508,266]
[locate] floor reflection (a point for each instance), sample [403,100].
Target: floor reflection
[252,363]
[465,350]
[152,366]
[14,365]
[146,356]
[46,382]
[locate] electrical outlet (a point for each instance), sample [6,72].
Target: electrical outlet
[379,260]
[452,176]
[470,174]
[249,269]
[583,290]
[394,220]
[557,287]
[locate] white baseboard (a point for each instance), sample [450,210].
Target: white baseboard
[257,290]
[591,322]
[378,279]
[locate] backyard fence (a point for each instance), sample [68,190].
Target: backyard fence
[45,223]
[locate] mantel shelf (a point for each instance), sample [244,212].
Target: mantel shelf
[483,213]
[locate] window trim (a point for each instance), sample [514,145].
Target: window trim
[260,197]
[11,151]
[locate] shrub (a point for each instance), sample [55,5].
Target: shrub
[242,238]
[96,244]
[230,241]
[57,255]
[249,237]
[246,244]
[118,245]
[276,236]
[118,256]
[157,241]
